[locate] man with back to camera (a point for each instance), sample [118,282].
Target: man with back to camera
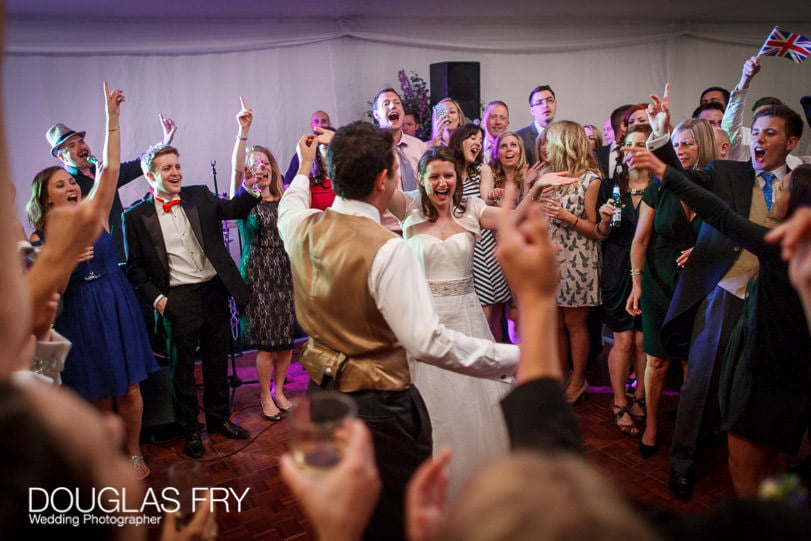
[608,154]
[177,261]
[362,298]
[71,149]
[496,120]
[542,105]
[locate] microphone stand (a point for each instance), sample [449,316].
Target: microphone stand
[234,379]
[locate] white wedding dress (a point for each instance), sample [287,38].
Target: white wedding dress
[465,411]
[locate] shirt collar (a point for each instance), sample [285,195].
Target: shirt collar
[539,128]
[778,173]
[355,207]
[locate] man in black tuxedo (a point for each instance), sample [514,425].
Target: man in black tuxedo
[178,262]
[709,296]
[608,155]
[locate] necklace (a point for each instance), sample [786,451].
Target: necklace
[442,229]
[636,191]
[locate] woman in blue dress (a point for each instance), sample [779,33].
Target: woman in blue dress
[111,354]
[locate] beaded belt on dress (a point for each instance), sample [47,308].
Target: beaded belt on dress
[451,288]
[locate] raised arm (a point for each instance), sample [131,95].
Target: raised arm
[244,121]
[490,216]
[713,210]
[733,119]
[106,185]
[398,204]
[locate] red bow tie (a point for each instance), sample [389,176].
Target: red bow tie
[167,205]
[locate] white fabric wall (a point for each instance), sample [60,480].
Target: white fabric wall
[284,84]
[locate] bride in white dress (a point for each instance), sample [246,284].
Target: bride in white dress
[441,227]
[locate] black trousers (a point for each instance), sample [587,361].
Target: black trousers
[198,314]
[698,410]
[401,432]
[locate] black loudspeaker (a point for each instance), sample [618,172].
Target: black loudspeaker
[156,391]
[460,81]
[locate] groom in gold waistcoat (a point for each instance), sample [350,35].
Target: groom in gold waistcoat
[362,298]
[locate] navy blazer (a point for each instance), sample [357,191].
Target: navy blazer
[714,252]
[147,262]
[528,135]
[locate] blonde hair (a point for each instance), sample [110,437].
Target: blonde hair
[499,175]
[568,149]
[528,496]
[703,133]
[434,116]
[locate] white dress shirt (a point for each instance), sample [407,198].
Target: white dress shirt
[188,263]
[398,286]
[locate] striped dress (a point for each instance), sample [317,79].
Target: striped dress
[488,280]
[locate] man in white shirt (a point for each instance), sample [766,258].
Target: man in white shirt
[177,262]
[543,105]
[387,110]
[363,300]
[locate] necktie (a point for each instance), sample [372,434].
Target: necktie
[768,193]
[167,205]
[407,179]
[617,163]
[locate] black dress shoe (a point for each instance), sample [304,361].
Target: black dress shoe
[680,485]
[194,446]
[230,430]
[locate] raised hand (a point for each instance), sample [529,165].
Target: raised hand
[339,502]
[532,173]
[305,150]
[426,497]
[659,112]
[244,117]
[114,101]
[750,68]
[642,158]
[169,129]
[525,251]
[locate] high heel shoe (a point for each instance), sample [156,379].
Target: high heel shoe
[579,395]
[270,416]
[283,409]
[647,451]
[640,403]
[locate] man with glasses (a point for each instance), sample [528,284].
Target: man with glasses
[542,106]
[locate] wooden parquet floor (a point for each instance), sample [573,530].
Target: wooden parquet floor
[269,511]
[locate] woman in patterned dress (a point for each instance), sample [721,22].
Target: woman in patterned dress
[573,213]
[269,315]
[489,282]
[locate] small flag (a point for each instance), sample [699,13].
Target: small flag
[781,43]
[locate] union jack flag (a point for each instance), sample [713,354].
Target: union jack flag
[788,44]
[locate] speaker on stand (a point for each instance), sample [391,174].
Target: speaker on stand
[460,81]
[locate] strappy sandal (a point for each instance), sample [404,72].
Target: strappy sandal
[617,413]
[640,403]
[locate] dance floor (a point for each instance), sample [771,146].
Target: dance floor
[269,512]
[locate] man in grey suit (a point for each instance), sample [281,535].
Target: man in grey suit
[542,105]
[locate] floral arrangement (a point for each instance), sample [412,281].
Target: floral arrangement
[417,97]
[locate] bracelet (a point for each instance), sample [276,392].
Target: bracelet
[635,272]
[113,129]
[242,138]
[597,230]
[576,221]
